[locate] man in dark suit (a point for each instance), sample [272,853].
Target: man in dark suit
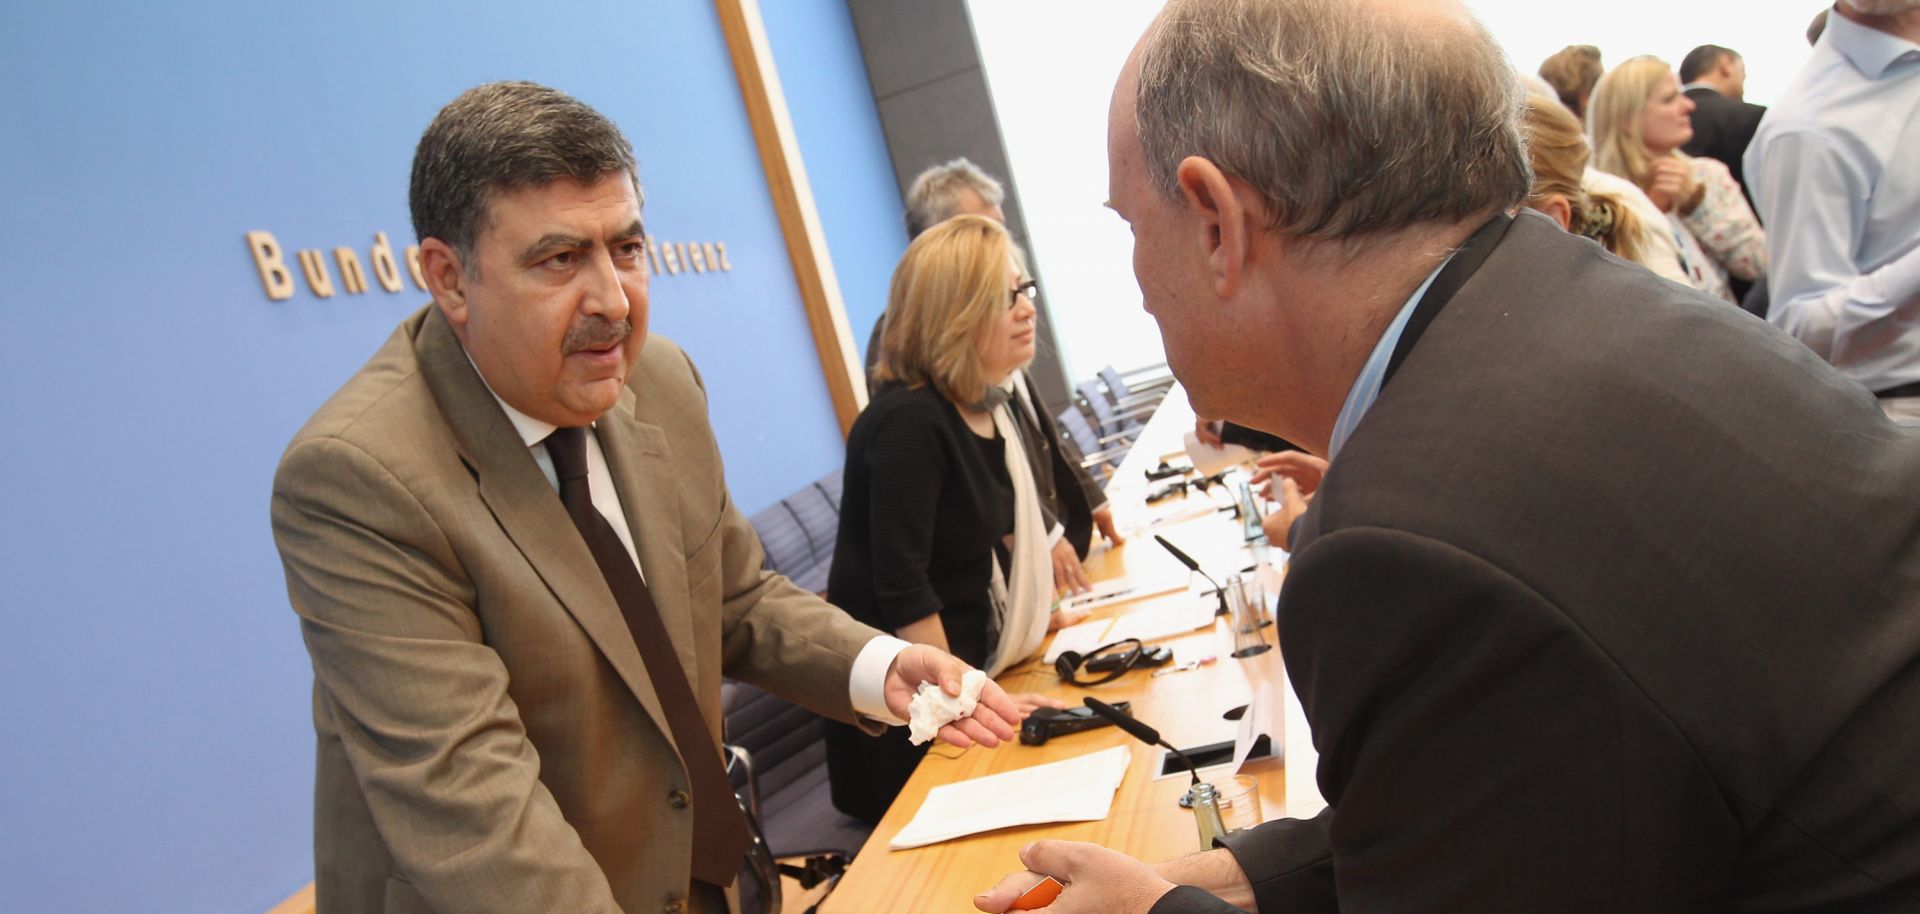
[517,570]
[1723,121]
[1610,600]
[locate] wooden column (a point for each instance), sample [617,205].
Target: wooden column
[793,201]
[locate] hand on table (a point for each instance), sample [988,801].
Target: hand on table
[993,720]
[1103,521]
[1098,881]
[1067,573]
[1061,618]
[1029,702]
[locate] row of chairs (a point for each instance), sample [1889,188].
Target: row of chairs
[1109,412]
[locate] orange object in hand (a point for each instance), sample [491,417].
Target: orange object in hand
[1039,896]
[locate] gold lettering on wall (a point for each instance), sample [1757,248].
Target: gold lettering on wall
[271,264]
[353,275]
[277,278]
[314,264]
[384,269]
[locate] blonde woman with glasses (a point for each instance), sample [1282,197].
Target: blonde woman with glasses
[1637,120]
[942,540]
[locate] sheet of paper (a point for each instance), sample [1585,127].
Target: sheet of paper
[1078,638]
[1258,721]
[1114,590]
[1174,617]
[1209,460]
[1079,789]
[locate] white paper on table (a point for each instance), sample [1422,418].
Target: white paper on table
[1257,722]
[1176,617]
[1115,590]
[1303,761]
[1208,460]
[1078,638]
[1079,789]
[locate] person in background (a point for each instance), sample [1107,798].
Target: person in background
[1637,122]
[1620,217]
[1572,73]
[1715,78]
[942,540]
[1816,27]
[1833,167]
[960,188]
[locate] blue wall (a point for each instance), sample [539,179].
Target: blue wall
[157,750]
[846,153]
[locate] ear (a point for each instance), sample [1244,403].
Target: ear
[447,280]
[1226,210]
[1559,209]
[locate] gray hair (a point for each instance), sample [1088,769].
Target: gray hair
[1347,124]
[502,136]
[934,196]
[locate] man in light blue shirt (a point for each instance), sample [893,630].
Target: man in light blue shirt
[1833,172]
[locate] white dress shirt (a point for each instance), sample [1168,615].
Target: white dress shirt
[866,685]
[1835,170]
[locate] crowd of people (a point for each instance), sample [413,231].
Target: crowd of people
[1604,595]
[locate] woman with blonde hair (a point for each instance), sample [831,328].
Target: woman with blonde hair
[942,539]
[1619,217]
[1637,120]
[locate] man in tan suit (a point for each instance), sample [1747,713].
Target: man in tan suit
[489,736]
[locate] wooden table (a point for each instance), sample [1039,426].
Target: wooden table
[1146,820]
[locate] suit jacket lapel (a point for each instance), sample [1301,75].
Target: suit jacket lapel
[527,508]
[638,456]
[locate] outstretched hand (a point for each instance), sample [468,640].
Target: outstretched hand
[993,720]
[1098,880]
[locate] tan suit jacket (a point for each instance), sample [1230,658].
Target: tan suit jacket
[488,739]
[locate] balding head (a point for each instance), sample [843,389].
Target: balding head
[1351,117]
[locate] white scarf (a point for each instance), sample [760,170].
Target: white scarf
[1024,597]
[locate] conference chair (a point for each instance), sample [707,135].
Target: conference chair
[1112,420]
[1127,396]
[1094,453]
[798,532]
[777,754]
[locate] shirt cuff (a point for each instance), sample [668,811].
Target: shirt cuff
[1053,536]
[867,685]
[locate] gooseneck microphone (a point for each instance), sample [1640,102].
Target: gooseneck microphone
[1192,565]
[1140,731]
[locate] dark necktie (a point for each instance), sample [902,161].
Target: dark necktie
[720,837]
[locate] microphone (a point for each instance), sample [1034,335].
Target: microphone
[1140,731]
[1192,565]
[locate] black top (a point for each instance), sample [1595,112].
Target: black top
[926,502]
[926,507]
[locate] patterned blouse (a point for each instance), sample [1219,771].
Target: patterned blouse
[1728,236]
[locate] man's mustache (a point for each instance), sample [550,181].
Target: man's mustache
[596,333]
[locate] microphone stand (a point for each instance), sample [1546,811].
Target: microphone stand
[1187,560]
[1200,794]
